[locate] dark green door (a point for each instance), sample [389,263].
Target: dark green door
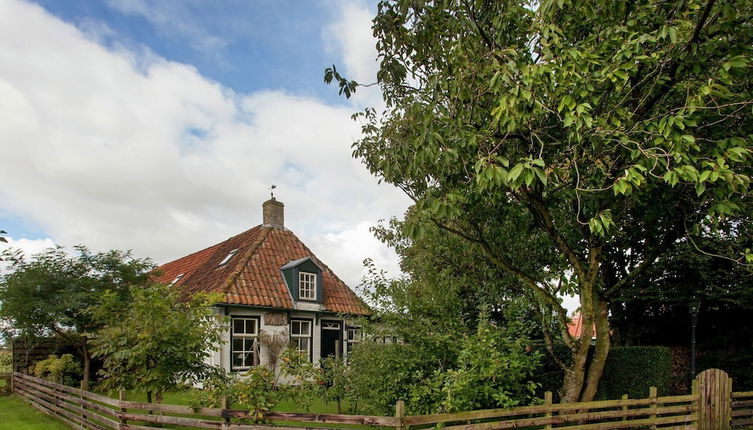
[332,339]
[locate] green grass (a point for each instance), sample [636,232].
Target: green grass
[17,414]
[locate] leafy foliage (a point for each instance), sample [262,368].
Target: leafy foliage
[489,369]
[48,295]
[60,370]
[6,361]
[261,388]
[571,142]
[155,341]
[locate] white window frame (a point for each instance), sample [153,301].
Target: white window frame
[353,335]
[299,339]
[227,258]
[307,286]
[249,341]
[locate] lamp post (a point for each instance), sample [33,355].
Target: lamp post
[693,306]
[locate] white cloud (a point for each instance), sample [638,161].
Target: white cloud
[346,250]
[120,149]
[351,38]
[28,247]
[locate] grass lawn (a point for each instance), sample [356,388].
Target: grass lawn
[17,414]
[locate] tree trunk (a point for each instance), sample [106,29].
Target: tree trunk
[87,367]
[581,380]
[149,398]
[601,350]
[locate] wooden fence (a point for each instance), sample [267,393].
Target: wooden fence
[742,409]
[703,409]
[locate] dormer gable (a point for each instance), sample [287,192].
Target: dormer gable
[303,278]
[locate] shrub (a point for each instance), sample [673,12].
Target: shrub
[60,370]
[632,370]
[490,370]
[6,361]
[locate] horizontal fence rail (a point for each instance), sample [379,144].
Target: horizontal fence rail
[742,409]
[91,411]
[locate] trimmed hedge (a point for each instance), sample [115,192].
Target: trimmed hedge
[632,370]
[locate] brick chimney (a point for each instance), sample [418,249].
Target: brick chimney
[273,214]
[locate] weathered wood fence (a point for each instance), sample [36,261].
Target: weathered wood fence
[711,406]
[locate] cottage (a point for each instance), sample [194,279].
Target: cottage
[275,292]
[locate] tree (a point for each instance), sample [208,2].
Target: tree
[571,142]
[49,294]
[156,340]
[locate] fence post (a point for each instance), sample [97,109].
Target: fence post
[548,402]
[714,400]
[225,419]
[652,394]
[123,421]
[81,396]
[696,403]
[624,408]
[400,413]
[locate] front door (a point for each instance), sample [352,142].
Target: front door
[332,339]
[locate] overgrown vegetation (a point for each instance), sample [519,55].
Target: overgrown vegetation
[49,293]
[60,370]
[156,340]
[571,144]
[6,361]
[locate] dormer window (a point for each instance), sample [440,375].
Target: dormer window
[307,286]
[226,259]
[177,278]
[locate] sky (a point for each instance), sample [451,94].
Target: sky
[159,126]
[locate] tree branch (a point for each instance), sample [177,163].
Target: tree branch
[538,208]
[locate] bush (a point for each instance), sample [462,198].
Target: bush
[632,370]
[6,361]
[60,370]
[491,370]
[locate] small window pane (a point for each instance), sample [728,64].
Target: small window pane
[237,344]
[237,360]
[238,326]
[305,328]
[251,326]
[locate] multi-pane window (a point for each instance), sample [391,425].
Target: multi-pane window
[307,286]
[354,336]
[245,331]
[300,337]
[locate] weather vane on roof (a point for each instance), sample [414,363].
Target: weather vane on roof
[272,190]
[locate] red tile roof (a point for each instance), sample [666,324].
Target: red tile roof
[252,276]
[575,326]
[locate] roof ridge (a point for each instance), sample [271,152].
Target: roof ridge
[241,264]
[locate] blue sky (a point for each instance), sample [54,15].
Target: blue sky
[158,126]
[245,45]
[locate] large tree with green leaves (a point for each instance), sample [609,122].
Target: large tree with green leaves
[572,142]
[49,294]
[156,340]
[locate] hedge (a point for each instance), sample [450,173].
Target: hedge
[632,370]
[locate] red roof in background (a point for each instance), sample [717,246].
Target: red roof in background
[252,276]
[575,326]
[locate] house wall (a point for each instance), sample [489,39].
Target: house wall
[272,324]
